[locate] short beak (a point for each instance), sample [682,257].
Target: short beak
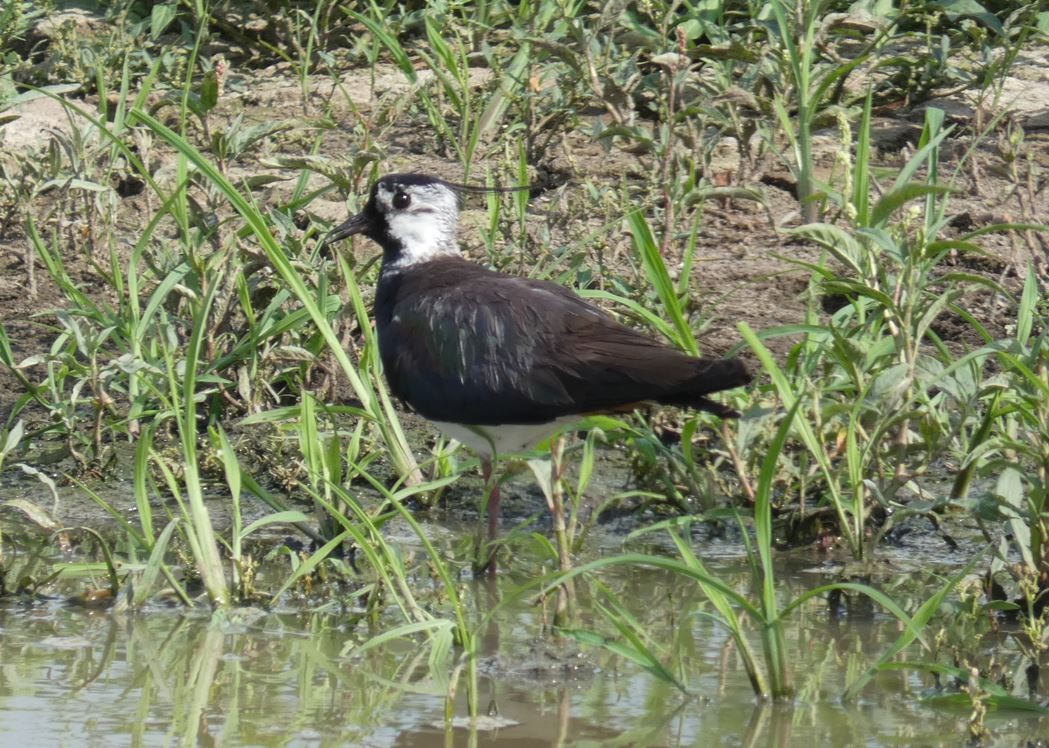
[356,225]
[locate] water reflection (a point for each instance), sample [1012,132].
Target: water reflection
[164,676]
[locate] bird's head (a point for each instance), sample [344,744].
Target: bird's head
[413,217]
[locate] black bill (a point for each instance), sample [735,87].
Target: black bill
[356,225]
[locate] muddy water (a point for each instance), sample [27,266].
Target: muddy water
[285,676]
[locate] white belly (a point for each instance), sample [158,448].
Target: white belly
[503,439]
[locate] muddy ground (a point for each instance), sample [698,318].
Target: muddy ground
[743,270]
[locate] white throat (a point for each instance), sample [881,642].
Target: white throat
[423,235]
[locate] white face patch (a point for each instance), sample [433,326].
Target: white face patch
[425,228]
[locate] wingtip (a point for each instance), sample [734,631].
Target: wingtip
[739,373]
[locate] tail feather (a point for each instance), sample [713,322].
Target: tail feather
[713,375]
[719,374]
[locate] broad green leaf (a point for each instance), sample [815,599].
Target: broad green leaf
[160,18]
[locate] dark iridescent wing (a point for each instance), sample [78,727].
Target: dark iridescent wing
[466,354]
[486,348]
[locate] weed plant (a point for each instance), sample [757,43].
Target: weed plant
[220,318]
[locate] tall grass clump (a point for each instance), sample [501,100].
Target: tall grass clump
[881,393]
[131,366]
[767,667]
[366,389]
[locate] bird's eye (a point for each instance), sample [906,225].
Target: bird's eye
[401,200]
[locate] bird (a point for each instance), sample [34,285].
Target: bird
[500,362]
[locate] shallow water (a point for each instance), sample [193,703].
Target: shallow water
[291,675]
[163,676]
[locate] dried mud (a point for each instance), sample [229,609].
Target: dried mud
[745,268]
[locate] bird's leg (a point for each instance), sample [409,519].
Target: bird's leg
[492,507]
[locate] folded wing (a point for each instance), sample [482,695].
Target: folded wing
[479,347]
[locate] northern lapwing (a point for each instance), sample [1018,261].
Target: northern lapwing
[500,362]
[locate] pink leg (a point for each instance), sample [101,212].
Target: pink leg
[493,510]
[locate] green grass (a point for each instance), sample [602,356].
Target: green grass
[206,330]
